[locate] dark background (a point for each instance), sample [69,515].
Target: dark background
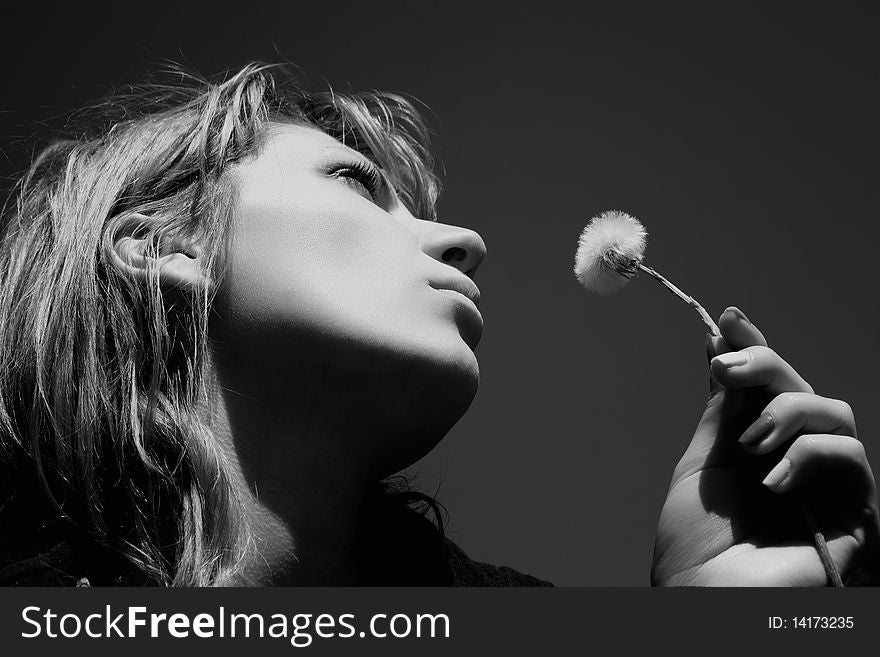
[743,135]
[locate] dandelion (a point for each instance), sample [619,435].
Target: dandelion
[610,252]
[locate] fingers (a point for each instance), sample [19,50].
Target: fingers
[748,362]
[815,457]
[792,413]
[738,332]
[757,366]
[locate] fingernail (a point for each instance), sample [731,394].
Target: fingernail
[759,430]
[734,358]
[777,475]
[739,313]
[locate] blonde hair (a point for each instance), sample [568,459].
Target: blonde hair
[100,377]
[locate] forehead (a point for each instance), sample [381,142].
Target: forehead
[295,145]
[288,150]
[291,155]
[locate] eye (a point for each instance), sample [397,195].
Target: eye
[364,178]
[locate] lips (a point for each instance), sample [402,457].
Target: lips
[462,285]
[468,316]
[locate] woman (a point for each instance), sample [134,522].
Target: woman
[229,315]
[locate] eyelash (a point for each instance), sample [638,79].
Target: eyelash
[364,173]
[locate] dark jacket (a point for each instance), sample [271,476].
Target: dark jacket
[398,547]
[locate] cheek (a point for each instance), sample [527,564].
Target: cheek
[320,265]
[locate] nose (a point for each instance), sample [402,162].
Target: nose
[458,247]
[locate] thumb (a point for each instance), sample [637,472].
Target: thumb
[715,438]
[737,332]
[714,441]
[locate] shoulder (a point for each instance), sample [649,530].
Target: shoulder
[467,572]
[65,561]
[56,566]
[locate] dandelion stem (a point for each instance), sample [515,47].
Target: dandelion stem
[821,547]
[688,299]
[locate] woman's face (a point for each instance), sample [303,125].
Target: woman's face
[331,281]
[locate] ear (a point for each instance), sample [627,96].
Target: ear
[179,261]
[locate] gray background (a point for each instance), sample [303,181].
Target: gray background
[743,135]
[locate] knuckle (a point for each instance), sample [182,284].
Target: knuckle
[791,399]
[786,403]
[856,447]
[808,442]
[846,412]
[762,353]
[768,362]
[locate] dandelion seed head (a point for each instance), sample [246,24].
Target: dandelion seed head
[610,249]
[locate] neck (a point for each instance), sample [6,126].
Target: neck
[303,545]
[302,497]
[308,439]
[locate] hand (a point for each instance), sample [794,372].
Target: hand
[766,444]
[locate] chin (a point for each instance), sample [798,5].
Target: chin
[439,390]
